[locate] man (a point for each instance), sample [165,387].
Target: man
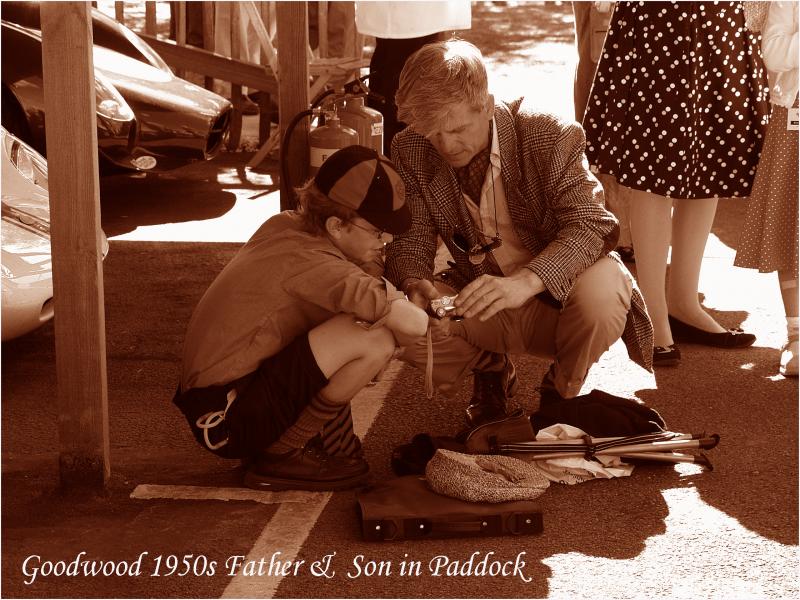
[293,328]
[508,191]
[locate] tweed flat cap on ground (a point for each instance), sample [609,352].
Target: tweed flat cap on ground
[484,478]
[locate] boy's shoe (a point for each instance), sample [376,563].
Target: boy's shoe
[308,468]
[789,358]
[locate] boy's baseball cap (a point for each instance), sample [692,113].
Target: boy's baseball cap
[366,181]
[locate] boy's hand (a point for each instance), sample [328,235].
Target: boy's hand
[421,292]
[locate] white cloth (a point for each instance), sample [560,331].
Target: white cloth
[577,469]
[402,20]
[779,48]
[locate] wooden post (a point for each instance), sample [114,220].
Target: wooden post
[349,33]
[208,36]
[119,12]
[180,28]
[292,34]
[265,115]
[150,23]
[322,25]
[235,132]
[71,131]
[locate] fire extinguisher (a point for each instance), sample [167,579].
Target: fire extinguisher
[367,122]
[347,122]
[327,139]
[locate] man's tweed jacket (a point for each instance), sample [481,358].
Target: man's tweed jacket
[556,206]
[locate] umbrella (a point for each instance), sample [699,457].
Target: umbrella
[661,447]
[515,437]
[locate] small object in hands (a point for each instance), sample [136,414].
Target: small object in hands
[441,307]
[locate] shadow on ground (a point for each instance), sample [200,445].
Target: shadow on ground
[192,193]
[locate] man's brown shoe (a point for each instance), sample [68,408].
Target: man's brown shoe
[491,390]
[309,468]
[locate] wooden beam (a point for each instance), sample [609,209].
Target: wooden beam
[213,65]
[293,91]
[71,130]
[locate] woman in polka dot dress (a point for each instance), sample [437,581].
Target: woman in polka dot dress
[769,234]
[677,113]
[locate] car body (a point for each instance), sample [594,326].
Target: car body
[23,101]
[27,271]
[176,122]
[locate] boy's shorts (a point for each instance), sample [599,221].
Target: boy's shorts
[242,418]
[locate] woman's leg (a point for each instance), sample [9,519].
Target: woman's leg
[789,289]
[691,224]
[790,353]
[650,218]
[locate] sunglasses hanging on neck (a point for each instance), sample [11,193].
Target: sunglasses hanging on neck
[477,253]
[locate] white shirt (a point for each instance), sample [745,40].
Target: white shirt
[779,49]
[402,20]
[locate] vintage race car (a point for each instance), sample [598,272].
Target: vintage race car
[27,272]
[176,122]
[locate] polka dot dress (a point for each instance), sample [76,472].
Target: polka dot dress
[679,102]
[769,234]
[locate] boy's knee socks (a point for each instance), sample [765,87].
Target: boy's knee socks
[310,422]
[338,436]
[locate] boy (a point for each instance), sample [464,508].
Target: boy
[293,328]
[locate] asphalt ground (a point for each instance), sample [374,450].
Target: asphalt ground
[665,531]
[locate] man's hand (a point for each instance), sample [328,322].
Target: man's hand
[487,295]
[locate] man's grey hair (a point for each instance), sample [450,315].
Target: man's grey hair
[436,77]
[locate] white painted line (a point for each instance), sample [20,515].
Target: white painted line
[289,527]
[190,492]
[286,532]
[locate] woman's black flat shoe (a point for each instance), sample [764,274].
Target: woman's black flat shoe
[733,338]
